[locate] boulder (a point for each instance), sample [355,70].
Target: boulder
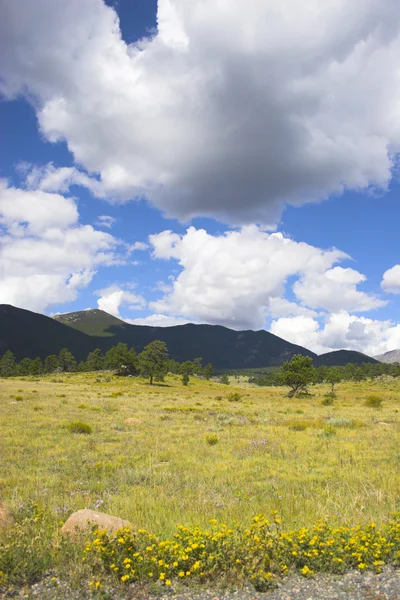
[6,517]
[132,420]
[82,519]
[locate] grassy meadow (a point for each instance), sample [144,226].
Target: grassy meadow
[166,454]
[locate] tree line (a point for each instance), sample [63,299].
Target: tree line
[302,370]
[152,363]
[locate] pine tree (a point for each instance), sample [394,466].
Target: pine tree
[121,360]
[95,360]
[7,364]
[185,379]
[51,363]
[208,371]
[153,361]
[66,360]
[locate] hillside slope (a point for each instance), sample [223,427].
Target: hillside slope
[393,356]
[92,322]
[222,347]
[343,357]
[28,334]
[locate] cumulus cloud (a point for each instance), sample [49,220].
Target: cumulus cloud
[105,221]
[113,298]
[340,330]
[46,257]
[156,320]
[230,110]
[238,279]
[391,280]
[334,290]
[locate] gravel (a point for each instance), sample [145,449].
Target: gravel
[350,586]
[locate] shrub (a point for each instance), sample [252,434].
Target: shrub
[18,398]
[297,425]
[373,401]
[328,399]
[79,427]
[25,550]
[259,553]
[340,422]
[235,397]
[211,439]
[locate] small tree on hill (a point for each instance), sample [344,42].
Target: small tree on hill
[224,379]
[333,376]
[297,374]
[208,371]
[153,361]
[185,379]
[66,360]
[7,364]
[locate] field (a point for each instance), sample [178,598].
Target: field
[167,454]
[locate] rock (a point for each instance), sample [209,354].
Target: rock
[6,517]
[132,420]
[82,519]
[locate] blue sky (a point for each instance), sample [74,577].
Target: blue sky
[172,165]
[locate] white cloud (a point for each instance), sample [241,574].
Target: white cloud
[113,298]
[391,280]
[158,321]
[58,179]
[45,256]
[334,290]
[138,246]
[105,221]
[231,110]
[340,330]
[238,279]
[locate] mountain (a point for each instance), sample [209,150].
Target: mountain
[339,358]
[92,322]
[28,334]
[393,356]
[222,347]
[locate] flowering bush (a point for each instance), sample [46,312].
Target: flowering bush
[260,553]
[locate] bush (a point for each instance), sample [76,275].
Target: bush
[212,439]
[79,427]
[25,550]
[297,425]
[340,422]
[328,399]
[18,398]
[373,401]
[235,397]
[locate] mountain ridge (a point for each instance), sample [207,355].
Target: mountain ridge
[29,334]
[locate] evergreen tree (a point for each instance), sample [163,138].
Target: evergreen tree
[36,367]
[7,364]
[333,376]
[51,363]
[95,360]
[153,361]
[24,367]
[297,373]
[66,360]
[208,371]
[185,379]
[224,379]
[121,360]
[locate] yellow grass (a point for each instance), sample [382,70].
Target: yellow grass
[271,453]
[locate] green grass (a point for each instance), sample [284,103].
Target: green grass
[296,456]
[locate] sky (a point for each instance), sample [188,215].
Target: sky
[205,161]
